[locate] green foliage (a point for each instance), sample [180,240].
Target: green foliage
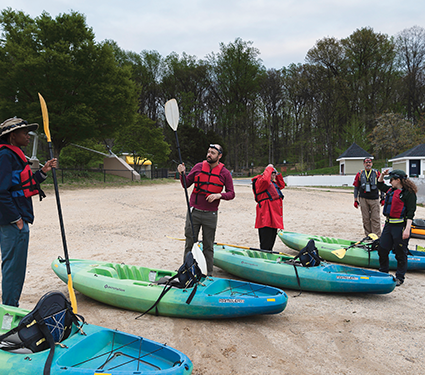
[143,139]
[87,93]
[308,113]
[393,135]
[75,157]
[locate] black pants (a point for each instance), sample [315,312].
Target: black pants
[267,237]
[392,239]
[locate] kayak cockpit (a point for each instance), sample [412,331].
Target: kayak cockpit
[125,272]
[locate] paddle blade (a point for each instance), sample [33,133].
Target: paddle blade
[72,295]
[200,258]
[172,113]
[45,117]
[340,253]
[373,236]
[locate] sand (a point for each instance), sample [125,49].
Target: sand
[316,334]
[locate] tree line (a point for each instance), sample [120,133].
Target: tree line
[368,88]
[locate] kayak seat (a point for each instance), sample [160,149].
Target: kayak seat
[128,272]
[12,341]
[136,273]
[108,272]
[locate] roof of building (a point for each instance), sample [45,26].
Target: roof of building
[418,150]
[354,151]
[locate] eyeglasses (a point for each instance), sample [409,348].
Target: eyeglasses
[216,148]
[368,161]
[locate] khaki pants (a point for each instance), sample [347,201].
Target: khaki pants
[371,216]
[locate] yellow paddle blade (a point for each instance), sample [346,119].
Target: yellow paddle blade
[340,253]
[45,117]
[373,236]
[72,295]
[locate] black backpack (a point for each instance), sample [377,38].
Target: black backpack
[188,275]
[50,322]
[309,256]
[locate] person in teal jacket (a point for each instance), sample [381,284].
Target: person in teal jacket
[17,185]
[399,210]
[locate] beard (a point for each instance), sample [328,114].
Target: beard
[211,160]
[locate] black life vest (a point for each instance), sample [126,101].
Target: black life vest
[394,208]
[28,184]
[208,181]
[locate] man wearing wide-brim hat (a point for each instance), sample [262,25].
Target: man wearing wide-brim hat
[17,185]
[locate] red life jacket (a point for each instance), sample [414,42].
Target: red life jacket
[268,194]
[28,183]
[394,208]
[208,181]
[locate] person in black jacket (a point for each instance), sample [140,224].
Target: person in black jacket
[399,210]
[17,185]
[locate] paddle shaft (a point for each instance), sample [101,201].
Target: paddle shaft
[185,189]
[58,204]
[251,248]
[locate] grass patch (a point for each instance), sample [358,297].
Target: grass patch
[90,179]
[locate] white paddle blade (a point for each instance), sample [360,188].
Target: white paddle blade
[172,113]
[199,257]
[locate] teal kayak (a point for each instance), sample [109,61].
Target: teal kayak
[281,271]
[356,256]
[99,351]
[137,288]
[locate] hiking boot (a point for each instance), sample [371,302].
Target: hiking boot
[399,282]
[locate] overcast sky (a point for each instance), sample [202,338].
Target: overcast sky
[282,30]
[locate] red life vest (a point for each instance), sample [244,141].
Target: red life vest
[394,208]
[28,183]
[272,192]
[208,181]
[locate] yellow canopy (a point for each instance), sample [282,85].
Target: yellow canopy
[130,160]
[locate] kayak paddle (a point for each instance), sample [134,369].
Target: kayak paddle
[58,203]
[172,116]
[340,253]
[239,247]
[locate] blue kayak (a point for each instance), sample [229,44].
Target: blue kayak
[281,271]
[99,351]
[358,255]
[137,288]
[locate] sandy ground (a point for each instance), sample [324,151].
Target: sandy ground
[316,334]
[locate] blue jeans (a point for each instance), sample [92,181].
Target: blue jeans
[14,253]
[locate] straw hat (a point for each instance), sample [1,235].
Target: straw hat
[15,123]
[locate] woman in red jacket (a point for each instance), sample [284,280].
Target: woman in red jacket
[269,210]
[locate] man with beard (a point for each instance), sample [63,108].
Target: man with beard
[366,190]
[209,178]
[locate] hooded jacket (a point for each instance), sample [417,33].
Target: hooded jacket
[269,212]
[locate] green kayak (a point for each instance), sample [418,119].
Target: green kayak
[281,271]
[356,256]
[138,288]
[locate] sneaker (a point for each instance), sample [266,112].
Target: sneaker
[399,282]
